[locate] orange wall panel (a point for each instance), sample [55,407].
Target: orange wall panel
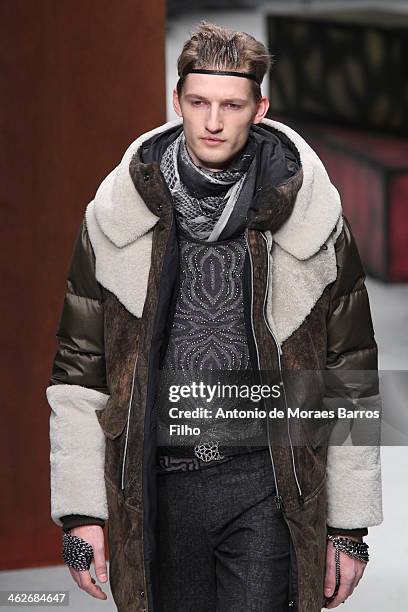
[79,80]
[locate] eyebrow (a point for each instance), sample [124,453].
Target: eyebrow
[230,100]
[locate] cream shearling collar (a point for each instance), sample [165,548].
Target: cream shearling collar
[123,216]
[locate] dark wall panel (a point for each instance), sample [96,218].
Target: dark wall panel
[354,74]
[79,80]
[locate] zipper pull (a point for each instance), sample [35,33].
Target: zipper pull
[278,344]
[279,502]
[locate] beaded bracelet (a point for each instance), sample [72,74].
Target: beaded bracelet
[76,553]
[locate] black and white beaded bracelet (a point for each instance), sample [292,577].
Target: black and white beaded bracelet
[76,553]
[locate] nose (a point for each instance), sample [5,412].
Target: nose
[214,120]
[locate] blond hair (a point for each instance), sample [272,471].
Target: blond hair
[213,47]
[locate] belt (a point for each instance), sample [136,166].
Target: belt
[207,451]
[180,463]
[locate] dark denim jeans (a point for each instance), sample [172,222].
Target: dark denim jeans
[223,545]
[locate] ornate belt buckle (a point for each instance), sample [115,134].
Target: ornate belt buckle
[208,451]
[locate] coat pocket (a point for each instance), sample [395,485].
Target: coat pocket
[317,434]
[112,419]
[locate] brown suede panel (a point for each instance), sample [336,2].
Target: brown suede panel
[126,565]
[122,331]
[311,334]
[276,204]
[303,358]
[304,354]
[307,527]
[150,184]
[121,335]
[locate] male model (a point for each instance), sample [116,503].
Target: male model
[217,244]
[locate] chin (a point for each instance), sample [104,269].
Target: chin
[218,158]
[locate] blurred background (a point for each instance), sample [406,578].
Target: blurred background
[80,80]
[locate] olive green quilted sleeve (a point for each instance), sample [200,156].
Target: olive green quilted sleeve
[77,388]
[80,355]
[353,471]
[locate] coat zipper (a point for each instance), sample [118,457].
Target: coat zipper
[122,485]
[278,497]
[124,462]
[282,384]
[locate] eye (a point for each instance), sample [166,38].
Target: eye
[197,102]
[233,106]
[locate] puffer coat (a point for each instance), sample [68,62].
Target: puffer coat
[307,308]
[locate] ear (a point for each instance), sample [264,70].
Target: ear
[261,110]
[176,103]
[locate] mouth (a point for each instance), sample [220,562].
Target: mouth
[212,141]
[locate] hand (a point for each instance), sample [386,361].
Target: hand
[351,571]
[93,534]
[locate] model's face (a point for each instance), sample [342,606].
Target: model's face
[217,112]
